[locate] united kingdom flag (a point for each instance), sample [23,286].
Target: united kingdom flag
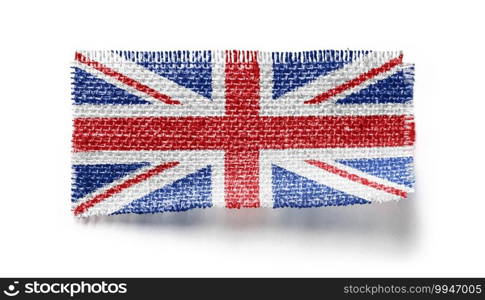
[172,131]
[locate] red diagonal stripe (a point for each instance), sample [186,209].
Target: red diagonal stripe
[125,79]
[356,81]
[356,178]
[118,188]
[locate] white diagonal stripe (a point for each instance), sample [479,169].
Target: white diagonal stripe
[335,181]
[117,83]
[191,101]
[190,162]
[370,177]
[293,102]
[294,160]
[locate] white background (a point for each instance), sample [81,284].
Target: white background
[439,231]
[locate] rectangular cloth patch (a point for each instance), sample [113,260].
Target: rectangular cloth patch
[173,131]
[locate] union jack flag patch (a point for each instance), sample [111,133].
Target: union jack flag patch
[172,131]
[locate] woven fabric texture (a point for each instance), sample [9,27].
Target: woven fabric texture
[172,131]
